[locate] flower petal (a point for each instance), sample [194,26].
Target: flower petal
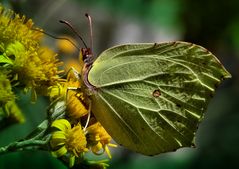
[60,152]
[59,135]
[57,142]
[61,124]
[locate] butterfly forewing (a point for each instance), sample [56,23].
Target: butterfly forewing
[151,97]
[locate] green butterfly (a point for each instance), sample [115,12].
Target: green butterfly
[151,97]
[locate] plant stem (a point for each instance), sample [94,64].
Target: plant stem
[38,139]
[22,145]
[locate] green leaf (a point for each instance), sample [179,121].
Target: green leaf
[151,97]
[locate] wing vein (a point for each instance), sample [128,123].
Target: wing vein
[120,118]
[137,107]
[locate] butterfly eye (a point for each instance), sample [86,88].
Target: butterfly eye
[87,54]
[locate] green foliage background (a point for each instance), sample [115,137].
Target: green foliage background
[212,24]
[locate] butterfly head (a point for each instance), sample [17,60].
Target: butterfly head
[87,55]
[85,52]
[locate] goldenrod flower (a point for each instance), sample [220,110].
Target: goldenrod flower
[75,106]
[12,113]
[75,101]
[56,91]
[75,141]
[17,28]
[30,65]
[68,139]
[61,88]
[9,110]
[6,93]
[99,139]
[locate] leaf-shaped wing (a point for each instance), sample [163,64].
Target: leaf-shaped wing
[151,97]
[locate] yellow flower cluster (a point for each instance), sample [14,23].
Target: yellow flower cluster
[8,106]
[29,64]
[78,132]
[6,93]
[24,63]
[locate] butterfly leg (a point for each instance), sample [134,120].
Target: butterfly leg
[76,74]
[81,99]
[88,117]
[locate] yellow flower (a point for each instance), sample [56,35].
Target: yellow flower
[12,113]
[30,65]
[75,101]
[99,139]
[96,137]
[14,27]
[75,106]
[67,139]
[56,91]
[6,93]
[61,88]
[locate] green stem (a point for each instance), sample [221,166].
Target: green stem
[38,139]
[24,145]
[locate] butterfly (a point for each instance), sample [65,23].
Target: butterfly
[150,97]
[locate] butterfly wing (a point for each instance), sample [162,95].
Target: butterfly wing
[151,97]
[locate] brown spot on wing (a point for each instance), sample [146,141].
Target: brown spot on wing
[156,93]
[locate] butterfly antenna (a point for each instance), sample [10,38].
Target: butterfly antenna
[91,31]
[74,30]
[55,37]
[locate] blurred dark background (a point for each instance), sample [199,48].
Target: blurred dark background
[212,24]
